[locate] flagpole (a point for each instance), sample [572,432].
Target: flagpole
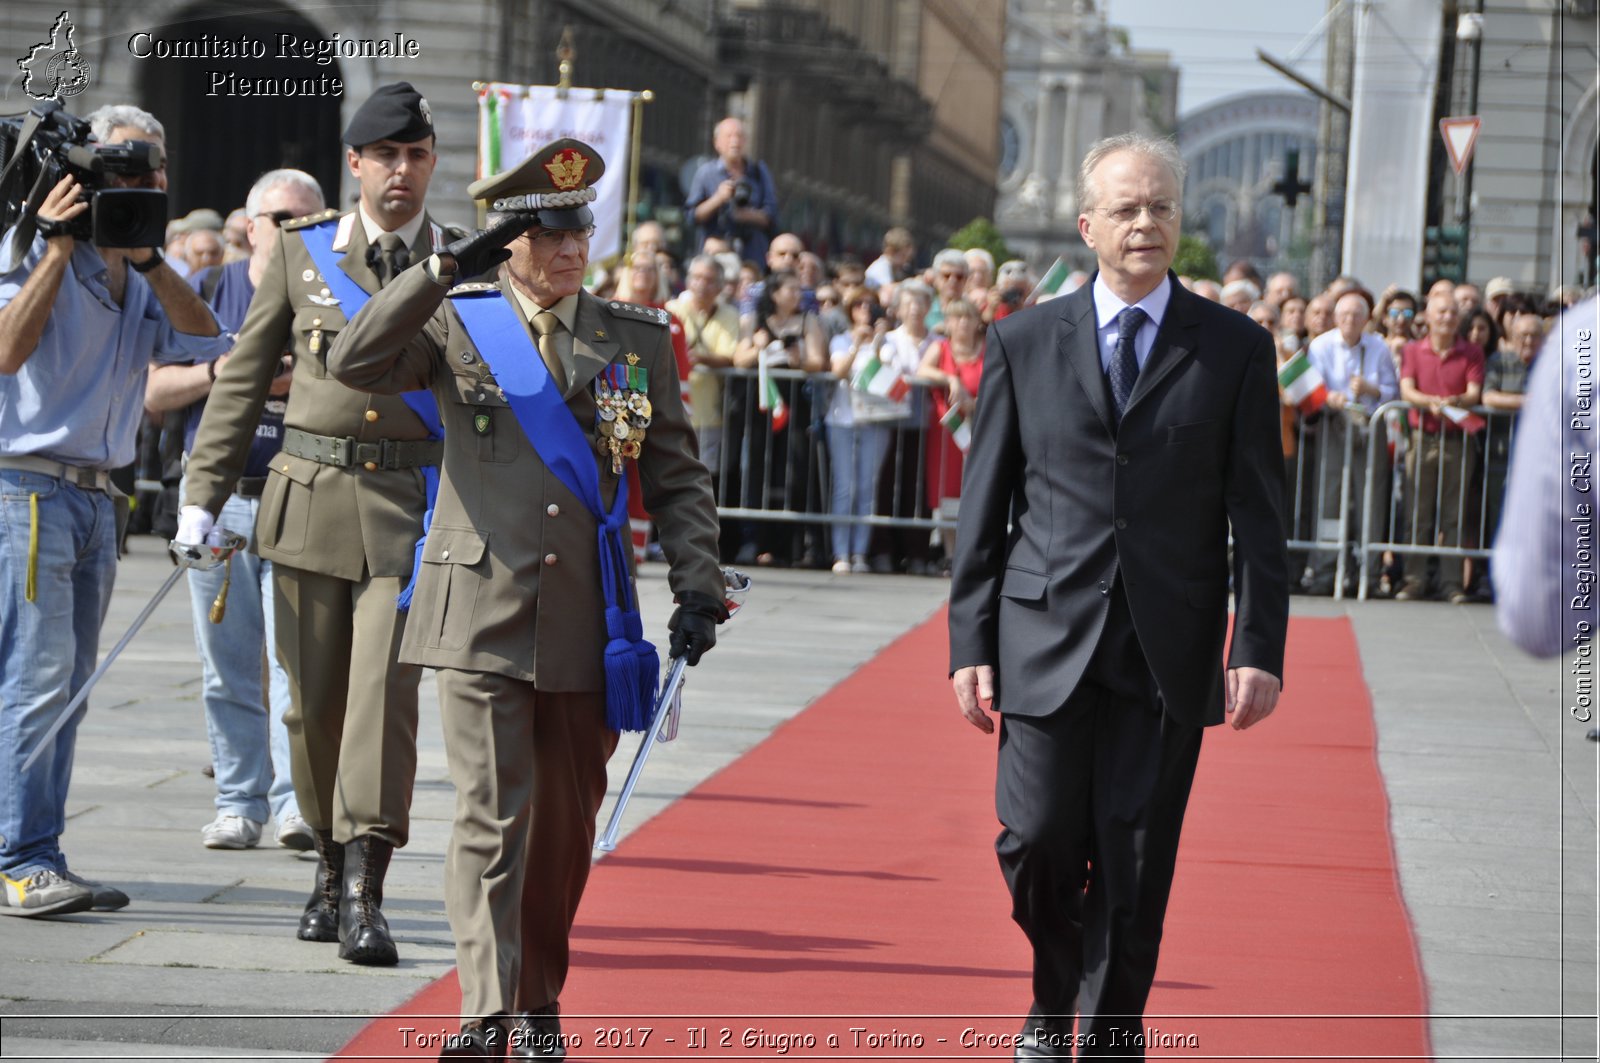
[639,100]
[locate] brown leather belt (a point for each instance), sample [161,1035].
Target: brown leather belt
[348,452]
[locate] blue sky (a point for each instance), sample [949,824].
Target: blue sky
[1213,42]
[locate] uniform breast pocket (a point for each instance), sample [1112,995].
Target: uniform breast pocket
[286,504]
[454,567]
[315,329]
[491,421]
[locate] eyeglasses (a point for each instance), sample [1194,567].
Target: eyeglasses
[554,238]
[1160,210]
[278,216]
[1405,312]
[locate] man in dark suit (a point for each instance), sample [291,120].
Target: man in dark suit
[1120,433]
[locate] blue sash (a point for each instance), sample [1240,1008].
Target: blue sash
[352,297]
[632,666]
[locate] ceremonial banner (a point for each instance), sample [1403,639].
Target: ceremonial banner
[514,120]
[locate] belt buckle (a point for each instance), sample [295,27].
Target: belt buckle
[84,477]
[367,452]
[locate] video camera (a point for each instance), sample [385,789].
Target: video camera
[48,143]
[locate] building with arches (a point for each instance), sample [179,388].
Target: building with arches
[1236,149]
[1071,78]
[870,114]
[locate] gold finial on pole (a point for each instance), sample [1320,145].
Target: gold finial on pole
[566,51]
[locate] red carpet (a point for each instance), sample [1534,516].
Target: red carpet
[844,868]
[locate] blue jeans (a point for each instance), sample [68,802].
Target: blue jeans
[249,743]
[855,454]
[48,648]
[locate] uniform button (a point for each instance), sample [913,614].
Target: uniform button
[1122,522]
[1122,459]
[550,559]
[1105,589]
[372,466]
[444,555]
[372,415]
[552,510]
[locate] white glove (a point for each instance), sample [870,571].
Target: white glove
[194,526]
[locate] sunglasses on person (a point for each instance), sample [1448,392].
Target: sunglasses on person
[1404,312]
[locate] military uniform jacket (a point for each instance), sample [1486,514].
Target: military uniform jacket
[510,579]
[339,522]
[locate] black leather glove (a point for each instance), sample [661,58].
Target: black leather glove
[479,252]
[694,625]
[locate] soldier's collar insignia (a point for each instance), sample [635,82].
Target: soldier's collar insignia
[599,333]
[566,168]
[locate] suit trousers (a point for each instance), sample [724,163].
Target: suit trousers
[352,716]
[1091,801]
[529,769]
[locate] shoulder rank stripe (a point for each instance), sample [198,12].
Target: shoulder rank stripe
[475,288]
[308,220]
[643,313]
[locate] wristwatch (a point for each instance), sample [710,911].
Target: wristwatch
[155,259]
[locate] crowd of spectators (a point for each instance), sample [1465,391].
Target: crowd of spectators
[834,391]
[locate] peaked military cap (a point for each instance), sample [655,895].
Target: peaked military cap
[555,184]
[392,112]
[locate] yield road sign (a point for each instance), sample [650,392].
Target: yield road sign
[1460,136]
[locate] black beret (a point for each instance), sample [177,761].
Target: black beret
[393,112]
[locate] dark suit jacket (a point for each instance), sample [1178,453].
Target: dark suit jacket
[1153,500]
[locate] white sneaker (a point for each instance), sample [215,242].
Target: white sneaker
[841,567]
[231,832]
[858,564]
[295,833]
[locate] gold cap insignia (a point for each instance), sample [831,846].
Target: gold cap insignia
[566,168]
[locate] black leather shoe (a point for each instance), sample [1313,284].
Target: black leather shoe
[363,931]
[537,1035]
[1045,1038]
[320,920]
[477,1040]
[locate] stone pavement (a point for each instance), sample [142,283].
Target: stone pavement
[1492,791]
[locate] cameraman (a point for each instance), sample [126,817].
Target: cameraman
[733,198]
[79,327]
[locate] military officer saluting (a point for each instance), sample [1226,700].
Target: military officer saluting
[525,603]
[341,513]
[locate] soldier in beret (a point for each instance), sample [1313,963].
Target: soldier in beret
[341,512]
[525,603]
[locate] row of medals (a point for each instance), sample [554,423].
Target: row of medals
[624,416]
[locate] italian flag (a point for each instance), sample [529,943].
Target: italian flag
[959,427]
[1302,384]
[1465,420]
[769,397]
[876,378]
[1054,279]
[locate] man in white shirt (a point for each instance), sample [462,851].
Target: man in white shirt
[1360,375]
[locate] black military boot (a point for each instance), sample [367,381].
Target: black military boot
[537,1035]
[320,920]
[363,931]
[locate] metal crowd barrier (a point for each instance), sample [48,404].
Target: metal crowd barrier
[1433,480]
[784,475]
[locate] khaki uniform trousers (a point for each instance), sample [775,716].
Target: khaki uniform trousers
[529,769]
[339,640]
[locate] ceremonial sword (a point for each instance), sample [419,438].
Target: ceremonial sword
[187,556]
[669,706]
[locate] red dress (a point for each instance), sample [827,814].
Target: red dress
[944,457]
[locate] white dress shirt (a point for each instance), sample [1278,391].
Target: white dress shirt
[1107,305]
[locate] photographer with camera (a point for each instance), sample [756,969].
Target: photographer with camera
[80,323]
[732,197]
